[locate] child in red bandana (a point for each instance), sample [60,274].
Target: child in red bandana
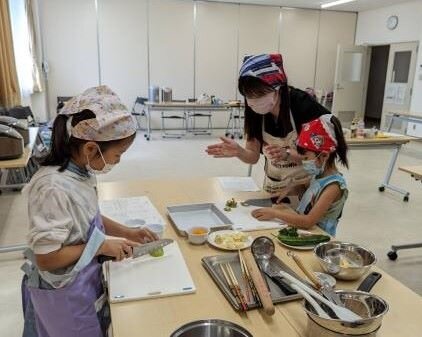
[321,143]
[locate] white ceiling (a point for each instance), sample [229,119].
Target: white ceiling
[355,6]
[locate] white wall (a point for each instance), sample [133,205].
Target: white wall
[123,53]
[299,50]
[216,44]
[372,30]
[69,34]
[147,42]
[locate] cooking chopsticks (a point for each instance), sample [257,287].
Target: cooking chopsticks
[248,278]
[234,285]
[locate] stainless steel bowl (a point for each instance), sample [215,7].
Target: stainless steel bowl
[350,272]
[211,328]
[370,307]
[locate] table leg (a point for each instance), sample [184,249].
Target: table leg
[148,117]
[386,183]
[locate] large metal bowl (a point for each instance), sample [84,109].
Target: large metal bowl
[370,307]
[211,328]
[350,272]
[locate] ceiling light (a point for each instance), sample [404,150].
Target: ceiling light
[335,3]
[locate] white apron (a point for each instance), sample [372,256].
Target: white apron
[283,173]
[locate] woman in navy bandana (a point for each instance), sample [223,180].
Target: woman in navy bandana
[274,115]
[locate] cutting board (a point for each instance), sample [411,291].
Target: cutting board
[149,277]
[243,220]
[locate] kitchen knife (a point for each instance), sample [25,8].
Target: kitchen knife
[141,250]
[266,202]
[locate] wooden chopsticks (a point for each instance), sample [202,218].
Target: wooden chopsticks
[248,279]
[234,285]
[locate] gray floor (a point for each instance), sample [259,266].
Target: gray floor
[373,219]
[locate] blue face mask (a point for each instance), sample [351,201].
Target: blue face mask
[311,168]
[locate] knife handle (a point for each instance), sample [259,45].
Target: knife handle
[259,282]
[369,281]
[103,258]
[284,286]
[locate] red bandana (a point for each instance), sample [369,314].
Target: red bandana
[318,135]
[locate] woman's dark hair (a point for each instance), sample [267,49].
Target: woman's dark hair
[63,147]
[340,154]
[252,87]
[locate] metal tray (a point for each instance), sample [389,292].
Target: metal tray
[211,264]
[204,215]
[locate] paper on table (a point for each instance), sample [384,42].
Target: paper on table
[240,184]
[132,212]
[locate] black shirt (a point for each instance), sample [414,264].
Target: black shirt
[304,109]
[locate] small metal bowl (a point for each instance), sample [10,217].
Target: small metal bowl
[211,328]
[351,272]
[370,307]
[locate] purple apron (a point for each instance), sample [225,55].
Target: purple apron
[68,311]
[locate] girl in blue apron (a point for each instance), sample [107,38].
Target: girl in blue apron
[321,143]
[62,290]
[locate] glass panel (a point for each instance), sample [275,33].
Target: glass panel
[401,66]
[352,67]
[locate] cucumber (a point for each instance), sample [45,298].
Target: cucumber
[157,252]
[307,240]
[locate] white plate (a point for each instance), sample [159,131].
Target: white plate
[212,235]
[297,247]
[299,231]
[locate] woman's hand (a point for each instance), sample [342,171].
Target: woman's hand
[143,235]
[265,213]
[228,148]
[117,248]
[277,153]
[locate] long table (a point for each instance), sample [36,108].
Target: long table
[188,107]
[160,317]
[391,141]
[416,173]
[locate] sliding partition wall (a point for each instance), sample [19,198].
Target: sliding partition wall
[194,47]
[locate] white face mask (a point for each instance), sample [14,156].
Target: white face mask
[107,167]
[264,104]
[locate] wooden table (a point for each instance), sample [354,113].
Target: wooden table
[186,107]
[159,317]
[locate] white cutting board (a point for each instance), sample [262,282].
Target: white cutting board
[148,277]
[243,220]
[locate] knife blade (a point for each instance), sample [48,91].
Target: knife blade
[144,249]
[265,202]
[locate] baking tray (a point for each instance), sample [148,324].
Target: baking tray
[212,263]
[204,215]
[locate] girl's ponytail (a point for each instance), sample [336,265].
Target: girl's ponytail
[342,148]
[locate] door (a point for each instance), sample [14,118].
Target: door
[399,82]
[349,83]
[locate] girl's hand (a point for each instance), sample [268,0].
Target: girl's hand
[265,213]
[228,148]
[143,235]
[117,248]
